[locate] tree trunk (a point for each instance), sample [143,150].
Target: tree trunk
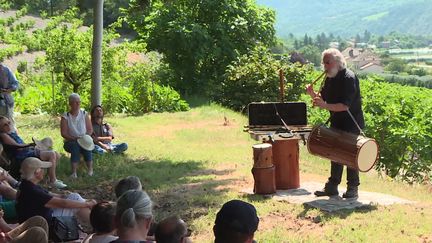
[97,54]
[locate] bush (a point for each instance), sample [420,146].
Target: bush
[255,77]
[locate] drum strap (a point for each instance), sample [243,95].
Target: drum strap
[352,117]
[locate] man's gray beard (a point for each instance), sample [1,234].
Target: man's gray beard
[332,72]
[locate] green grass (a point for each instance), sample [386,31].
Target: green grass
[190,163]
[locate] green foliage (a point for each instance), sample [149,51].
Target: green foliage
[200,38]
[399,118]
[255,77]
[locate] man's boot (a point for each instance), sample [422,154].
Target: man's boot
[351,192]
[329,190]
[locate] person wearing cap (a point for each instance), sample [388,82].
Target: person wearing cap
[236,222]
[76,128]
[172,230]
[103,134]
[34,200]
[16,148]
[133,217]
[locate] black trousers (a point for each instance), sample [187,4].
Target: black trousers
[336,175]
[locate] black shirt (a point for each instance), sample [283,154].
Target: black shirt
[344,88]
[31,200]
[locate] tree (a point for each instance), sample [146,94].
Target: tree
[200,38]
[312,54]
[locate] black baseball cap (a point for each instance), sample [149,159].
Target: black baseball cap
[238,216]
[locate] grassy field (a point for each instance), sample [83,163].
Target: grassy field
[190,164]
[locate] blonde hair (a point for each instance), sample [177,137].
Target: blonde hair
[337,56]
[132,206]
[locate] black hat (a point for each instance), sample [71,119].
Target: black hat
[238,216]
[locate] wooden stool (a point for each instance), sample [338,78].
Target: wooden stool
[264,180]
[262,155]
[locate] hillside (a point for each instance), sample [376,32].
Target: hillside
[347,18]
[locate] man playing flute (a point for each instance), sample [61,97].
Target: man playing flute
[340,95]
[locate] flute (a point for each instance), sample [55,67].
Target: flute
[319,77]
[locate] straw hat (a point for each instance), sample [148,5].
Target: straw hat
[86,142]
[44,144]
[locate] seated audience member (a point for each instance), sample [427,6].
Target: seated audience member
[172,230]
[15,147]
[126,184]
[7,194]
[73,126]
[133,216]
[103,134]
[34,200]
[236,222]
[102,221]
[34,229]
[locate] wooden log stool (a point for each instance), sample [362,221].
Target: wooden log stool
[263,170]
[286,161]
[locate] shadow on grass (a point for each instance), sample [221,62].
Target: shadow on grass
[185,188]
[341,213]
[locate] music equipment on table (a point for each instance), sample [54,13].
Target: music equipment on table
[355,151]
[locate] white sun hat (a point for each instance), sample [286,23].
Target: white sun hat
[44,144]
[86,142]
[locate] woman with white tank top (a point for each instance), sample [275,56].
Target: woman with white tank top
[75,124]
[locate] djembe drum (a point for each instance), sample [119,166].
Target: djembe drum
[263,170]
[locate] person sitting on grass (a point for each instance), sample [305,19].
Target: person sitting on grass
[236,222]
[172,230]
[133,216]
[34,200]
[103,134]
[16,148]
[8,194]
[102,221]
[34,229]
[73,126]
[126,184]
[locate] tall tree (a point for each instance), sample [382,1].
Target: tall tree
[200,38]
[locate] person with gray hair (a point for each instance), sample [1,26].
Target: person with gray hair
[133,216]
[126,184]
[340,95]
[74,126]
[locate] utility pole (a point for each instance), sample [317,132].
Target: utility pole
[96,91]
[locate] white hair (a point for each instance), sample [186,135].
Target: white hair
[133,205]
[337,56]
[74,96]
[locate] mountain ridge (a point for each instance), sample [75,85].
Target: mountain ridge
[347,18]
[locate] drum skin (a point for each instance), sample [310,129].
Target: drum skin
[355,151]
[286,161]
[263,156]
